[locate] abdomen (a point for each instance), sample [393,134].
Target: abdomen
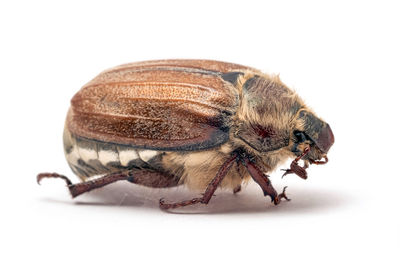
[89,157]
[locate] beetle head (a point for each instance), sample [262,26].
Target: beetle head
[275,121]
[314,132]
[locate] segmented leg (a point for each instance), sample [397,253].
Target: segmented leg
[263,181]
[212,186]
[80,188]
[150,178]
[295,168]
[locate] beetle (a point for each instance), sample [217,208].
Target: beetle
[164,123]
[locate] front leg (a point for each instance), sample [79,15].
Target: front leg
[296,168]
[263,181]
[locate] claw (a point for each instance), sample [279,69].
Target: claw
[287,171]
[278,199]
[40,177]
[283,194]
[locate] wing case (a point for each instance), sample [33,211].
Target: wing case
[161,105]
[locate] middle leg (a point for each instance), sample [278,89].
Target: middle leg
[212,186]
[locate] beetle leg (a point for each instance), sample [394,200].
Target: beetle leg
[80,188]
[263,181]
[212,186]
[144,177]
[296,168]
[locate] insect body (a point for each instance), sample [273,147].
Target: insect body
[170,122]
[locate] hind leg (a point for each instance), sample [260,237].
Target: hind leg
[138,176]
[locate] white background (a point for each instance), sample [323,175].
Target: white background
[341,57]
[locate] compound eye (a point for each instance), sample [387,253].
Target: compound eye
[300,136]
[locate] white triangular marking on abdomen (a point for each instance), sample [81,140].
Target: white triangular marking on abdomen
[126,156]
[87,154]
[107,156]
[146,155]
